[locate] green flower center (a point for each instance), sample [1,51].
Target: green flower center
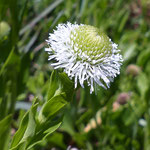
[91,42]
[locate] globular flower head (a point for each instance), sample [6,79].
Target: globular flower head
[123,98]
[85,53]
[133,70]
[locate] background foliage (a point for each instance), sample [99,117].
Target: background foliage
[114,119]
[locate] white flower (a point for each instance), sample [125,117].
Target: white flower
[85,53]
[72,148]
[142,122]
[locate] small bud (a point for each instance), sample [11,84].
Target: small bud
[123,98]
[133,70]
[4,29]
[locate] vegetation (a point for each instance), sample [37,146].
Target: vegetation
[113,119]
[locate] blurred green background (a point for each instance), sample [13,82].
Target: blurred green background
[114,119]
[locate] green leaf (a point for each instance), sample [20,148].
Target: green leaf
[26,129]
[66,85]
[59,93]
[51,107]
[143,57]
[60,83]
[43,135]
[53,86]
[124,20]
[143,84]
[4,132]
[7,61]
[31,132]
[67,124]
[130,52]
[57,139]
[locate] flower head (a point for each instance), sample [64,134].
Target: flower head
[85,53]
[133,70]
